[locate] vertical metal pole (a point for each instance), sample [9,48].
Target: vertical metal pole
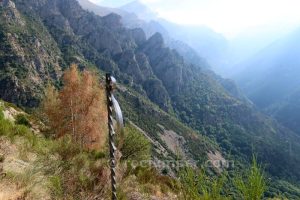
[111,136]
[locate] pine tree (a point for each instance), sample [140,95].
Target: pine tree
[93,114]
[69,100]
[78,109]
[50,107]
[253,185]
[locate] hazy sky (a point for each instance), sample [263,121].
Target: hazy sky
[228,17]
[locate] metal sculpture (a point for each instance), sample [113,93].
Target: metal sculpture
[113,106]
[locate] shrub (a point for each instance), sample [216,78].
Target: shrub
[9,129]
[5,127]
[252,185]
[21,119]
[190,183]
[149,179]
[66,148]
[55,185]
[97,154]
[196,185]
[136,146]
[165,171]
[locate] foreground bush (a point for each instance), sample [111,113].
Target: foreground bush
[252,185]
[135,145]
[198,185]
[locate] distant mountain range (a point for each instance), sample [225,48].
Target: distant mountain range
[271,79]
[141,10]
[189,41]
[207,43]
[137,15]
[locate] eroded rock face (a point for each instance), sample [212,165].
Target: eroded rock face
[157,93]
[112,20]
[167,64]
[129,65]
[13,90]
[81,35]
[102,39]
[28,57]
[11,13]
[138,35]
[144,65]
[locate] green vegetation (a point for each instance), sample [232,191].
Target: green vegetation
[252,185]
[71,172]
[138,109]
[10,130]
[74,173]
[135,145]
[24,42]
[22,120]
[197,184]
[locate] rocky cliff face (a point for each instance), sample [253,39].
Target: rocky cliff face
[28,57]
[103,40]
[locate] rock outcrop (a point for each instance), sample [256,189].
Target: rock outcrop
[28,57]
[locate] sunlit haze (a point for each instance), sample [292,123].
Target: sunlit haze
[228,17]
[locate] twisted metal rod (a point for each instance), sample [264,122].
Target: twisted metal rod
[112,146]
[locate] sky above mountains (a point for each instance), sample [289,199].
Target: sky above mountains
[229,17]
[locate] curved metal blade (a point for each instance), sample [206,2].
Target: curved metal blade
[118,112]
[113,80]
